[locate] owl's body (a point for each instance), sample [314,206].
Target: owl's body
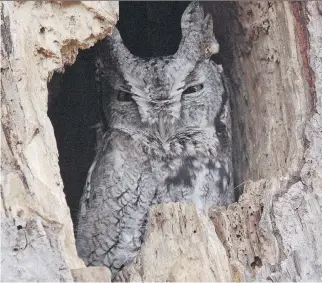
[165,139]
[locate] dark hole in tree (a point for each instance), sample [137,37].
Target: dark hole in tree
[257,262]
[151,29]
[73,108]
[148,29]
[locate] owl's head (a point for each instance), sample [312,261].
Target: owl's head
[166,95]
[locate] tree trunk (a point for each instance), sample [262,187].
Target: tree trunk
[275,65]
[37,242]
[271,52]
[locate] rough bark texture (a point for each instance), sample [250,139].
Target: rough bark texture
[271,101]
[92,274]
[180,246]
[271,52]
[274,231]
[37,241]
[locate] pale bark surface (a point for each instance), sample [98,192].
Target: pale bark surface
[272,53]
[274,231]
[180,246]
[37,239]
[92,274]
[264,50]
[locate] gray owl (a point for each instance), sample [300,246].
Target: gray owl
[165,138]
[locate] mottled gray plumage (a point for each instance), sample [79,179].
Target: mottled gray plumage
[165,138]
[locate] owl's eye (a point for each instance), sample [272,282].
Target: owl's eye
[124,96]
[192,89]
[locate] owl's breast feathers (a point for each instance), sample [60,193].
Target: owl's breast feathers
[180,159]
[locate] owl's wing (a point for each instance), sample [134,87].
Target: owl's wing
[113,210]
[225,118]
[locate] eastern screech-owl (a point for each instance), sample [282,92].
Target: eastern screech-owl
[165,139]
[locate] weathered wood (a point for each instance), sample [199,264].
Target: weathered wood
[275,66]
[180,246]
[37,240]
[271,52]
[92,274]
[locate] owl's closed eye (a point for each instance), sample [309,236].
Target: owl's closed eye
[124,96]
[193,89]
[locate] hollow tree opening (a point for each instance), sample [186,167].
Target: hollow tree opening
[261,109]
[73,108]
[151,29]
[148,29]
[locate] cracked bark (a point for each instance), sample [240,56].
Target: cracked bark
[37,239]
[274,62]
[271,53]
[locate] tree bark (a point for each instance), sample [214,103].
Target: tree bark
[37,239]
[271,52]
[274,231]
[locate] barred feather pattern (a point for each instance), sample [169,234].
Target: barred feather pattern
[168,141]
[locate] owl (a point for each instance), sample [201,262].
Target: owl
[164,138]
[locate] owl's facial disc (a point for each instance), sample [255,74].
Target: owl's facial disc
[163,97]
[160,105]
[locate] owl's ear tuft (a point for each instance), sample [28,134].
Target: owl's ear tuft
[192,18]
[112,47]
[208,26]
[198,41]
[118,47]
[116,36]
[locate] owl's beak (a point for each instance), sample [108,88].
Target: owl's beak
[162,131]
